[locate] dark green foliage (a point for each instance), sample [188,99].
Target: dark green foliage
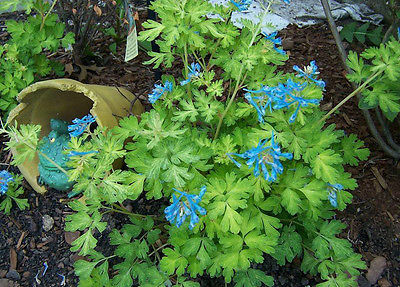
[361,33]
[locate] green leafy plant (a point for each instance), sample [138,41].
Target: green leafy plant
[11,189]
[251,171]
[362,33]
[23,59]
[383,65]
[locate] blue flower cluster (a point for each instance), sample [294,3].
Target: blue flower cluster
[310,72]
[194,71]
[183,206]
[262,156]
[159,90]
[242,5]
[332,193]
[80,125]
[276,41]
[279,97]
[5,178]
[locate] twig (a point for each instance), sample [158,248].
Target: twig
[390,31]
[386,130]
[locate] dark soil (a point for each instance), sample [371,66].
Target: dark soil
[372,218]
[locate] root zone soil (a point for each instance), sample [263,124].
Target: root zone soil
[372,218]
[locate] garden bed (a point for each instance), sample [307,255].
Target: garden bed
[373,218]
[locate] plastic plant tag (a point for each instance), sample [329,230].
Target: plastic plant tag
[131,45]
[132,49]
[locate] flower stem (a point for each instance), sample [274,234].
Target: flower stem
[186,63]
[238,80]
[118,210]
[47,14]
[355,92]
[229,104]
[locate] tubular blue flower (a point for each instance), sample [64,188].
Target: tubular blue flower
[80,125]
[276,41]
[260,109]
[177,212]
[271,95]
[62,279]
[5,178]
[332,193]
[262,156]
[242,5]
[81,153]
[289,92]
[310,72]
[194,71]
[159,90]
[286,1]
[45,268]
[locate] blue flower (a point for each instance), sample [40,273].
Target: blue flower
[289,92]
[261,103]
[332,193]
[159,90]
[5,178]
[81,153]
[276,41]
[194,71]
[242,5]
[62,279]
[177,212]
[262,156]
[286,1]
[310,72]
[80,125]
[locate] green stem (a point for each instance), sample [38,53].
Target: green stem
[229,104]
[38,151]
[355,92]
[256,32]
[123,212]
[186,63]
[200,61]
[50,160]
[159,248]
[47,14]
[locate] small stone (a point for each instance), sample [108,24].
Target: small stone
[8,283]
[384,283]
[26,274]
[32,225]
[282,280]
[304,282]
[71,236]
[287,44]
[48,222]
[3,273]
[32,244]
[378,264]
[61,265]
[13,275]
